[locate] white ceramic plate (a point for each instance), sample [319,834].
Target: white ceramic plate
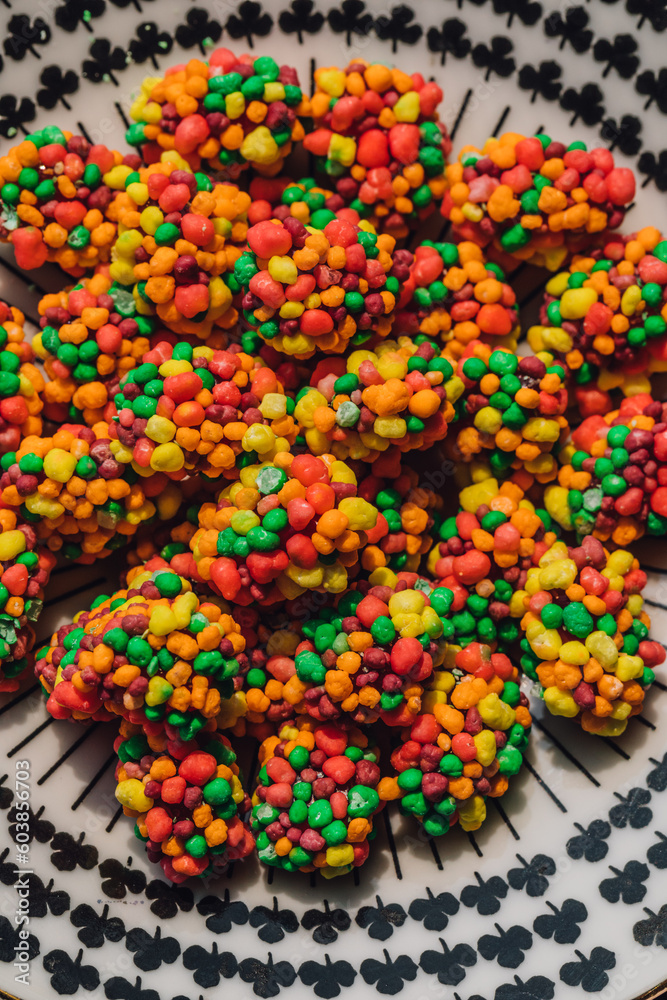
[563,889]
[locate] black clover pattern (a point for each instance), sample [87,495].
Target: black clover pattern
[389,976]
[627,885]
[169,898]
[38,829]
[68,975]
[326,924]
[251,20]
[351,19]
[486,895]
[273,923]
[623,135]
[533,876]
[119,879]
[57,85]
[8,872]
[654,166]
[6,794]
[535,988]
[561,924]
[398,27]
[434,911]
[380,920]
[223,913]
[590,842]
[528,11]
[302,17]
[653,86]
[633,810]
[198,30]
[543,80]
[657,853]
[449,39]
[585,104]
[450,964]
[151,950]
[571,29]
[69,853]
[118,988]
[653,930]
[44,899]
[75,12]
[589,973]
[24,35]
[619,55]
[495,58]
[10,940]
[15,113]
[507,947]
[652,11]
[208,966]
[327,978]
[96,928]
[657,778]
[150,43]
[267,978]
[105,61]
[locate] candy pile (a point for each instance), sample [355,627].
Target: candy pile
[91,335]
[485,553]
[607,318]
[221,116]
[453,294]
[353,510]
[399,395]
[307,289]
[187,799]
[192,409]
[25,568]
[513,411]
[586,635]
[177,236]
[377,135]
[615,483]
[535,198]
[55,191]
[21,383]
[80,498]
[316,797]
[152,653]
[467,745]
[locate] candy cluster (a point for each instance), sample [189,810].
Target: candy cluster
[353,509]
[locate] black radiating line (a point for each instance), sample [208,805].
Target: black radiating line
[615,747]
[454,129]
[644,722]
[392,845]
[655,604]
[114,819]
[67,568]
[501,121]
[435,852]
[93,781]
[270,877]
[659,684]
[68,753]
[543,784]
[313,879]
[121,114]
[478,849]
[654,569]
[312,77]
[539,130]
[444,231]
[355,872]
[84,132]
[28,739]
[20,697]
[570,756]
[75,592]
[506,820]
